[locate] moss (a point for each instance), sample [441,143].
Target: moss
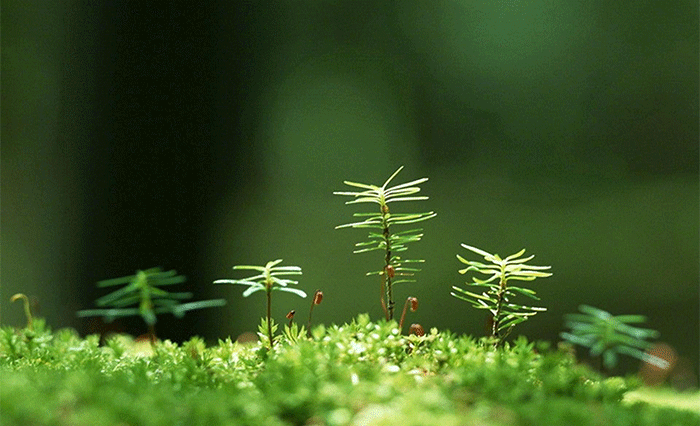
[360,373]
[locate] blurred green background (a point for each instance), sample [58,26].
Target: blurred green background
[199,136]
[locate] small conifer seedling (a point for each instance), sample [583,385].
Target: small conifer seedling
[608,336]
[144,289]
[268,279]
[382,236]
[499,294]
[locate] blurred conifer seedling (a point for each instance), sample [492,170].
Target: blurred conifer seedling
[143,289]
[608,336]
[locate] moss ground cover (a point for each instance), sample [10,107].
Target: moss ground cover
[359,373]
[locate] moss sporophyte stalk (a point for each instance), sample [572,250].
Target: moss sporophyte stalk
[27,308]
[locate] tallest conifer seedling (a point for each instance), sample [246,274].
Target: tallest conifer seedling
[382,236]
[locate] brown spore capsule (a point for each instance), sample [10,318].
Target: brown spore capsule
[417,329]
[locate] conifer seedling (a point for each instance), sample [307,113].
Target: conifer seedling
[499,294]
[382,235]
[608,336]
[144,289]
[268,279]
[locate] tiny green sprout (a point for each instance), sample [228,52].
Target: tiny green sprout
[294,332]
[497,298]
[381,235]
[608,336]
[268,279]
[27,308]
[143,289]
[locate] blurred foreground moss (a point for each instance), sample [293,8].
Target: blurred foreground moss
[361,373]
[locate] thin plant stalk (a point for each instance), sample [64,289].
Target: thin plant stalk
[382,290]
[413,303]
[269,314]
[318,297]
[27,308]
[387,261]
[152,335]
